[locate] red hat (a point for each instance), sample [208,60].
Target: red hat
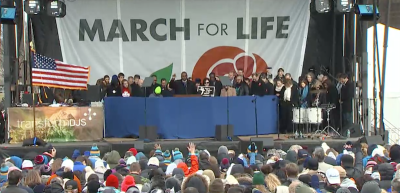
[128,182]
[112,181]
[39,160]
[133,150]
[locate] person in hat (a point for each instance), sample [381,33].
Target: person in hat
[332,180]
[50,153]
[71,187]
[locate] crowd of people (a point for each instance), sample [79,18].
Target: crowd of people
[310,91]
[360,168]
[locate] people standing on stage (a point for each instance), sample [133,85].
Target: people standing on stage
[182,86]
[346,99]
[278,91]
[165,90]
[290,98]
[154,84]
[121,77]
[242,89]
[131,80]
[126,89]
[304,94]
[136,88]
[114,90]
[318,95]
[216,83]
[231,76]
[288,76]
[103,82]
[280,75]
[310,79]
[266,87]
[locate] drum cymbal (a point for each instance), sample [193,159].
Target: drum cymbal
[317,91]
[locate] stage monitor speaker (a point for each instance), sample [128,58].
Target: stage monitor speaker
[267,142]
[27,98]
[224,132]
[138,145]
[355,130]
[148,132]
[93,93]
[33,142]
[376,139]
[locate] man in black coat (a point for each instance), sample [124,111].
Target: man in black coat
[217,84]
[182,86]
[346,99]
[204,164]
[154,85]
[266,87]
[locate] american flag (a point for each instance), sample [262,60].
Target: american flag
[53,73]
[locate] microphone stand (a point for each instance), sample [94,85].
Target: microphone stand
[227,106]
[278,122]
[255,113]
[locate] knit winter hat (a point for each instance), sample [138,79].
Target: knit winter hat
[130,160]
[86,153]
[27,165]
[3,173]
[343,190]
[40,159]
[133,150]
[153,161]
[112,181]
[128,182]
[370,187]
[94,151]
[258,178]
[76,154]
[225,164]
[177,154]
[93,186]
[167,157]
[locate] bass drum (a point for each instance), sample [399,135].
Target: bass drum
[314,115]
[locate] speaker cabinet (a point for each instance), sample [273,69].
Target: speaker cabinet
[224,132]
[148,132]
[376,139]
[267,142]
[355,130]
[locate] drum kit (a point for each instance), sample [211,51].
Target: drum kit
[314,116]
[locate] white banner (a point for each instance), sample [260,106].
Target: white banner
[163,37]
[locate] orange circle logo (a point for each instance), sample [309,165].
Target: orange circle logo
[224,59]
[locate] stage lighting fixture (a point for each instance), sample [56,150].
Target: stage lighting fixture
[56,9]
[322,6]
[344,6]
[32,6]
[366,12]
[7,15]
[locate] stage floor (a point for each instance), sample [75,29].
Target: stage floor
[123,144]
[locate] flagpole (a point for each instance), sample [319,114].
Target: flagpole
[31,49]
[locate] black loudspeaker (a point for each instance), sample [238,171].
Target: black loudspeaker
[224,132]
[93,93]
[27,98]
[33,142]
[148,132]
[267,142]
[376,139]
[355,130]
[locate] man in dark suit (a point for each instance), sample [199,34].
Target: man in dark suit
[182,86]
[153,86]
[217,84]
[346,99]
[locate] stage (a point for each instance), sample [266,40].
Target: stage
[123,144]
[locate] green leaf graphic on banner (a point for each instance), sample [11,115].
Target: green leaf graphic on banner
[164,73]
